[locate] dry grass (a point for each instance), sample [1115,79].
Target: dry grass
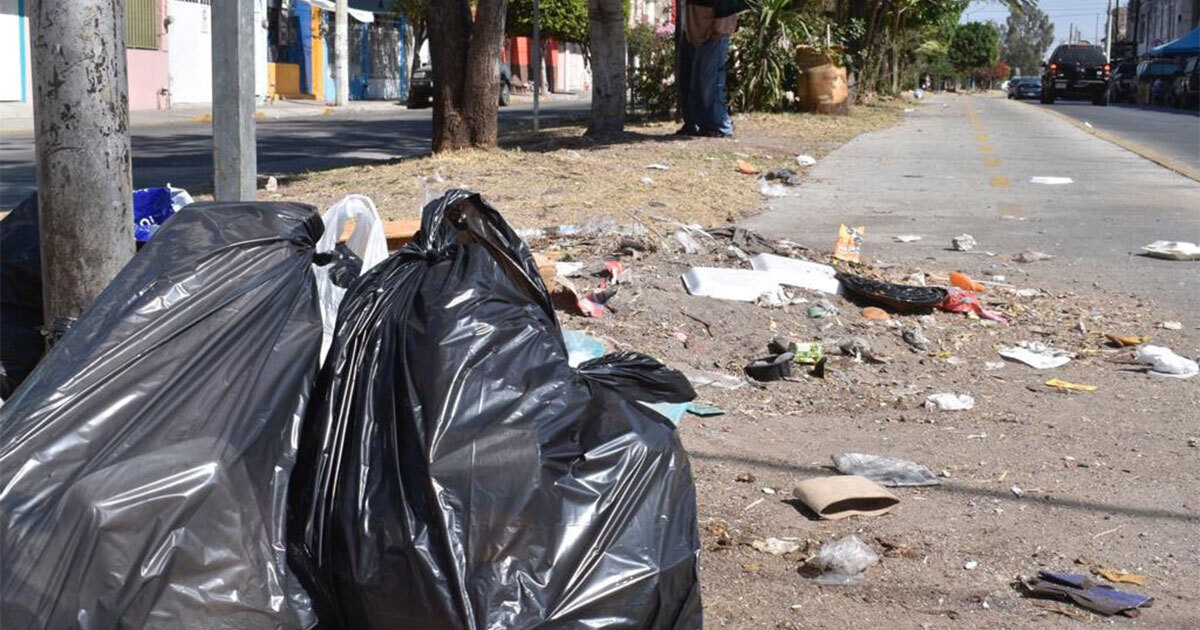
[559,176]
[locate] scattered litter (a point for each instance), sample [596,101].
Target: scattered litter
[1172,250]
[1037,355]
[1030,256]
[772,190]
[1127,340]
[798,273]
[658,167]
[701,378]
[1052,181]
[842,496]
[858,348]
[573,154]
[1017,491]
[963,243]
[1072,387]
[1027,293]
[948,401]
[689,243]
[1087,594]
[913,336]
[1164,362]
[568,269]
[705,411]
[771,368]
[646,181]
[1170,325]
[809,352]
[1120,577]
[959,301]
[153,206]
[970,565]
[899,297]
[742,285]
[785,175]
[806,160]
[1087,124]
[875,313]
[771,299]
[822,308]
[775,546]
[272,184]
[736,253]
[746,477]
[843,561]
[910,110]
[671,411]
[581,347]
[963,281]
[887,471]
[746,168]
[906,238]
[848,246]
[365,248]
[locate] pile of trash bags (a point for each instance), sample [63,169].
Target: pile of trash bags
[182,457]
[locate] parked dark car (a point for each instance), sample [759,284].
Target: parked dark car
[1122,83]
[1185,91]
[420,89]
[1154,79]
[1078,71]
[1024,87]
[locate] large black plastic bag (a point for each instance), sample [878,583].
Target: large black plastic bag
[455,472]
[21,345]
[144,462]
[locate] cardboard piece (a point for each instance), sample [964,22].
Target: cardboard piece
[841,496]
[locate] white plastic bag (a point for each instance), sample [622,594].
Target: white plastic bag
[367,242]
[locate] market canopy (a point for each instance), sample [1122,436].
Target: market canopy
[1187,45]
[366,17]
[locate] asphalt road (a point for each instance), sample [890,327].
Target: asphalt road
[963,165]
[181,154]
[1171,132]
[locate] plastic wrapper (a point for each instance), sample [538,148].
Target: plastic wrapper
[843,561]
[457,473]
[144,462]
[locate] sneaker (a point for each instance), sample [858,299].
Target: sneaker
[713,133]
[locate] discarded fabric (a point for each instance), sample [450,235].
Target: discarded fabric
[401,493]
[1164,362]
[843,561]
[959,301]
[887,471]
[948,401]
[798,273]
[1037,355]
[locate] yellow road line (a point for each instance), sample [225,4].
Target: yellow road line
[987,148]
[991,161]
[1133,147]
[1000,181]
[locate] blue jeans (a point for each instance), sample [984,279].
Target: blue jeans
[702,79]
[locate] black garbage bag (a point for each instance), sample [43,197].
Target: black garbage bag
[144,462]
[456,473]
[21,345]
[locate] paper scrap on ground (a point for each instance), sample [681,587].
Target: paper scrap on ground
[1052,181]
[805,160]
[775,546]
[1074,387]
[887,471]
[906,238]
[1037,355]
[1123,577]
[1173,250]
[950,402]
[742,285]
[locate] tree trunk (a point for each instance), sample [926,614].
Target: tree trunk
[81,118]
[606,20]
[466,82]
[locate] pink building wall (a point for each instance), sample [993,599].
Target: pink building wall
[149,73]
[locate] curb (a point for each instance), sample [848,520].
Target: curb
[1166,162]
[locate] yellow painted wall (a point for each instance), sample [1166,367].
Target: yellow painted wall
[318,55]
[283,79]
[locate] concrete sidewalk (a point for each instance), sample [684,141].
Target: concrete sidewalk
[18,117]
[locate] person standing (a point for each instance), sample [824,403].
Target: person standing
[701,72]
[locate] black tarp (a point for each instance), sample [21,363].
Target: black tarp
[144,462]
[456,473]
[21,345]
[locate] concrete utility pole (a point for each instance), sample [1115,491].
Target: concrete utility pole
[341,48]
[81,122]
[235,165]
[1108,31]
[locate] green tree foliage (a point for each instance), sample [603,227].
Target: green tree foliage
[975,45]
[652,81]
[564,20]
[763,53]
[1025,38]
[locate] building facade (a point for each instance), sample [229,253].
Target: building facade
[1157,22]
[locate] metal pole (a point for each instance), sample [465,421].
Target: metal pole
[537,64]
[235,164]
[81,136]
[1108,31]
[341,48]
